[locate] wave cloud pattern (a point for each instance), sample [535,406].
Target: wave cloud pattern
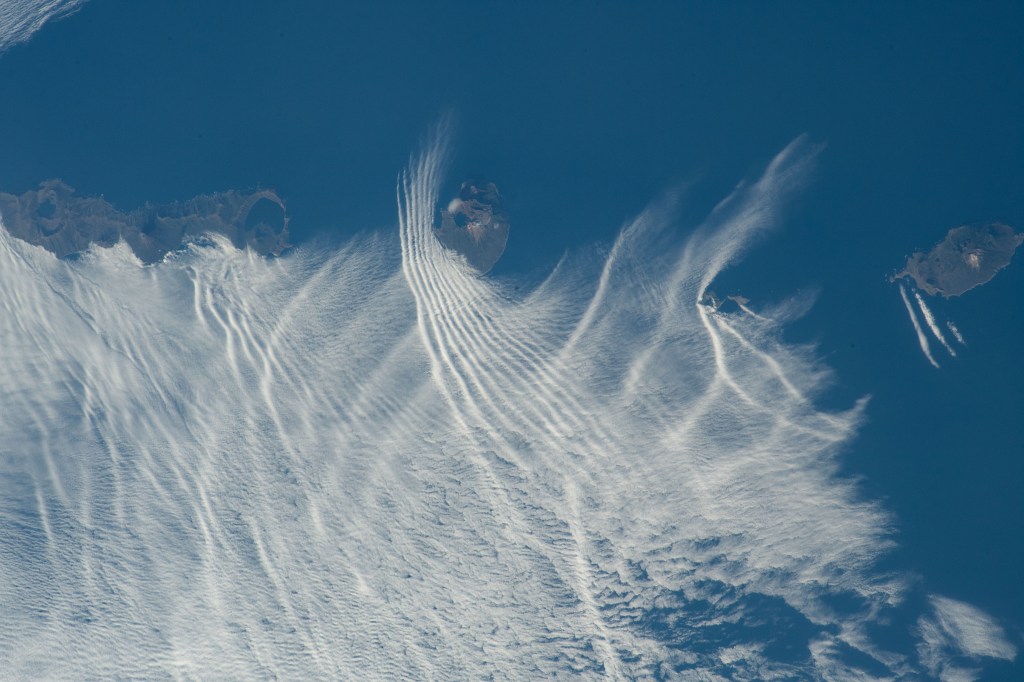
[349,464]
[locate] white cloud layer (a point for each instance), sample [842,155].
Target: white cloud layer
[371,463]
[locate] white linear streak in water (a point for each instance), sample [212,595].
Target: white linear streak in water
[370,462]
[922,340]
[930,320]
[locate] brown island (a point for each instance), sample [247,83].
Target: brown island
[969,256]
[475,224]
[64,223]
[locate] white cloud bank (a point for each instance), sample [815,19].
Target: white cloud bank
[373,464]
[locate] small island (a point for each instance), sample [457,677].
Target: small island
[65,224]
[475,224]
[969,256]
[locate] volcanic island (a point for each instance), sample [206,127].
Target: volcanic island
[64,223]
[968,257]
[475,224]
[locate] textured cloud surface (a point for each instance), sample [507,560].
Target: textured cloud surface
[955,631]
[19,19]
[371,463]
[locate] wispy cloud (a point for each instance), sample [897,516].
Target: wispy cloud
[20,19]
[955,636]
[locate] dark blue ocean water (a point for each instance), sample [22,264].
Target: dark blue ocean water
[585,115]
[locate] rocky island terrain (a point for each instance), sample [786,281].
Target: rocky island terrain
[64,223]
[968,257]
[475,224]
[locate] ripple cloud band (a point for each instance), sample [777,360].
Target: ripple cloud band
[348,464]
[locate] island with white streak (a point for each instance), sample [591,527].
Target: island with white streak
[968,257]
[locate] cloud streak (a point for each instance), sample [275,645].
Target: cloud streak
[921,338]
[956,333]
[929,318]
